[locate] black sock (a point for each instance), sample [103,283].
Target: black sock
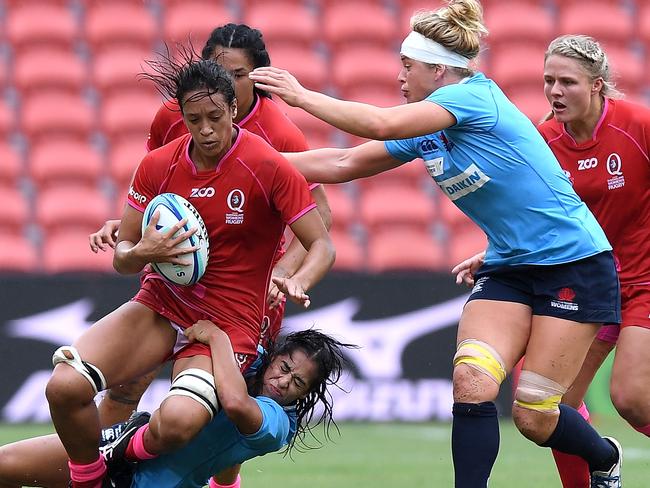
[574,435]
[474,443]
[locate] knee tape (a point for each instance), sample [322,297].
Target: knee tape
[199,386]
[536,392]
[480,355]
[70,355]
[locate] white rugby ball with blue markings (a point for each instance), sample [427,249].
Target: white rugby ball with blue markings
[174,208]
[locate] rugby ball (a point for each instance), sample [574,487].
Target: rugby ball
[174,208]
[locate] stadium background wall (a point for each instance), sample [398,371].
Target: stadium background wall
[405,323]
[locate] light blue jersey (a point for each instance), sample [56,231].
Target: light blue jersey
[219,445]
[498,170]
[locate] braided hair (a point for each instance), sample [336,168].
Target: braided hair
[591,56]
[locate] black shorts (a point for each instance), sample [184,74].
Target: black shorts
[583,291]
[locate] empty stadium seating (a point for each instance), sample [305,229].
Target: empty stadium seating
[74,117]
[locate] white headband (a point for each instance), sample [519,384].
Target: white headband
[421,48]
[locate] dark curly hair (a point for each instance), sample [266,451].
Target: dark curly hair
[327,353]
[175,78]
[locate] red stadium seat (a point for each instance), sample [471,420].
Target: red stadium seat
[343,207]
[194,20]
[464,242]
[116,69]
[358,21]
[607,22]
[129,113]
[406,249]
[46,68]
[7,118]
[517,21]
[643,22]
[303,62]
[69,252]
[15,210]
[395,206]
[531,101]
[517,65]
[11,166]
[17,254]
[283,21]
[409,7]
[111,23]
[51,113]
[314,129]
[44,25]
[60,161]
[74,206]
[628,67]
[350,255]
[365,66]
[124,158]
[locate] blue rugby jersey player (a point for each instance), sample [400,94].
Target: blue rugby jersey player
[497,169]
[218,445]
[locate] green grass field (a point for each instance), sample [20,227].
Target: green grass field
[417,456]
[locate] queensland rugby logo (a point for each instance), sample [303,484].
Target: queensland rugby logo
[614,165]
[235,201]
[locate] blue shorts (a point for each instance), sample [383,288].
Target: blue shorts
[583,291]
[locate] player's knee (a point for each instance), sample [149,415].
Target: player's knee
[178,424]
[630,403]
[478,372]
[66,388]
[536,405]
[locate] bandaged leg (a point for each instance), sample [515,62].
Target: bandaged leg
[481,356]
[70,356]
[535,392]
[199,386]
[475,428]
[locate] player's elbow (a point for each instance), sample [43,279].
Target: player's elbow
[234,405]
[380,129]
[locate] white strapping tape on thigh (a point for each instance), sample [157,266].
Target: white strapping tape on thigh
[536,392]
[197,385]
[87,370]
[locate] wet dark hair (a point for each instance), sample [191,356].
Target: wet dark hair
[175,78]
[327,353]
[239,36]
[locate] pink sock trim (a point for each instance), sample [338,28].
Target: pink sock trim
[236,484]
[645,430]
[138,444]
[582,410]
[87,472]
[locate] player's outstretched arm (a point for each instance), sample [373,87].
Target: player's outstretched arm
[332,165]
[361,119]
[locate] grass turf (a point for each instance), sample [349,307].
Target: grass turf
[415,455]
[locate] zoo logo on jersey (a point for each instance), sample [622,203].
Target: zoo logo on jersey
[235,201]
[466,182]
[614,164]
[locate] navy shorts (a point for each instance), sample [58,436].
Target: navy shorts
[583,291]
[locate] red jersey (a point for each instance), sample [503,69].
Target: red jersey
[611,173]
[245,203]
[265,119]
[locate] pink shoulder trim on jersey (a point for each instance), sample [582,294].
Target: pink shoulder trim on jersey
[313,185]
[259,183]
[645,154]
[301,213]
[165,141]
[256,106]
[223,158]
[263,133]
[139,208]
